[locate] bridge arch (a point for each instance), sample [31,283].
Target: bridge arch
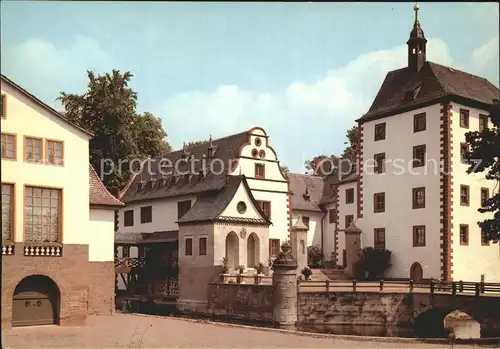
[430,322]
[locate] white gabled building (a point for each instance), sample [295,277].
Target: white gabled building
[417,200]
[57,218]
[424,211]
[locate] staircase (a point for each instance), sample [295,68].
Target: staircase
[331,274]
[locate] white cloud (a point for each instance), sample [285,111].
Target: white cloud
[485,58]
[304,119]
[51,69]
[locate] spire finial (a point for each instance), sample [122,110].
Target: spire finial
[416,7]
[210,145]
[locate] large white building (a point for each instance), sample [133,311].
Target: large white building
[412,194]
[57,218]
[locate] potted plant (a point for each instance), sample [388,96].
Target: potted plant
[239,277]
[260,273]
[306,272]
[224,271]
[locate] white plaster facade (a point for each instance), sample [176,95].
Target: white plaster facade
[397,183]
[315,223]
[345,209]
[164,215]
[475,259]
[25,116]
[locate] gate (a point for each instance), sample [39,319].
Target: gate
[35,302]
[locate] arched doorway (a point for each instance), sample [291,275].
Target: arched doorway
[253,257]
[232,250]
[416,272]
[35,302]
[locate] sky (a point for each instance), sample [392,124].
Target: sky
[302,71]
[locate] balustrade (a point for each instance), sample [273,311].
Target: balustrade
[42,251]
[7,250]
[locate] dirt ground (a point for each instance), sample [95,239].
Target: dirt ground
[136,331]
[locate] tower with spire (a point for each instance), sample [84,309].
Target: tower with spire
[416,44]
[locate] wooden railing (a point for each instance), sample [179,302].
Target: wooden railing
[458,287]
[127,262]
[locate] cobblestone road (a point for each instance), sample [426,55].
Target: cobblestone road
[135,331]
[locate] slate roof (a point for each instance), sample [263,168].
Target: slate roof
[44,105]
[98,194]
[298,185]
[209,206]
[432,83]
[224,149]
[135,238]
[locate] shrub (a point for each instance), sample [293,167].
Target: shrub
[315,256]
[307,272]
[259,268]
[374,262]
[224,269]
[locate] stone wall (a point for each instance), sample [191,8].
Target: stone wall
[352,308]
[241,301]
[393,314]
[101,288]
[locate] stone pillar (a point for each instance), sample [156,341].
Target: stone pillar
[285,290]
[353,248]
[298,240]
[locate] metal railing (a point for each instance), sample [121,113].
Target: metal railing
[454,288]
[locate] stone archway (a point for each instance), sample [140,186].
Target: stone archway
[253,251]
[416,272]
[36,301]
[232,250]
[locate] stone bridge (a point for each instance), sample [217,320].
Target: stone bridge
[419,314]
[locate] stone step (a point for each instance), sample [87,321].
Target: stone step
[328,274]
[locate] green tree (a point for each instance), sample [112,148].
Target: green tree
[350,152]
[149,135]
[484,155]
[354,138]
[108,109]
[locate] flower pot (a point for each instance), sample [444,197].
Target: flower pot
[258,279]
[225,278]
[240,279]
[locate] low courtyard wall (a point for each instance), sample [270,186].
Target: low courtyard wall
[241,301]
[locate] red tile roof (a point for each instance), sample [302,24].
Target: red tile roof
[405,90]
[98,194]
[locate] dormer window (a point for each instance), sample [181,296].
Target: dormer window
[140,186]
[412,95]
[306,194]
